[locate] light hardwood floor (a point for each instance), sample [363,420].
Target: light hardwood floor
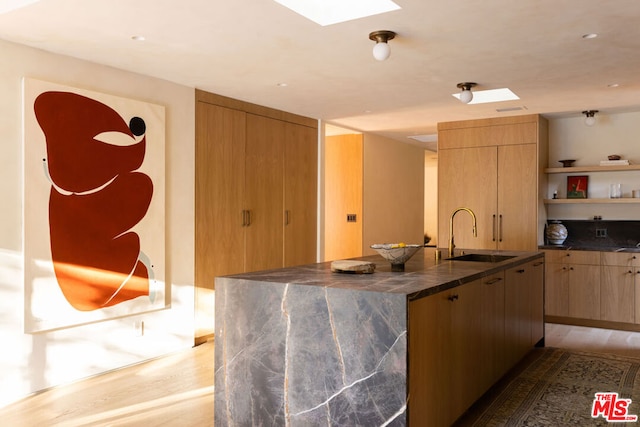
[177,390]
[582,338]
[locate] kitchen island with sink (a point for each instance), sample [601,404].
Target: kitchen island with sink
[307,346]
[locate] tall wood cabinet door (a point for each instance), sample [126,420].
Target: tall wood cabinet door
[300,195]
[219,237]
[617,294]
[264,185]
[517,197]
[467,178]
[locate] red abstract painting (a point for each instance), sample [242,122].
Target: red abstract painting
[96,198]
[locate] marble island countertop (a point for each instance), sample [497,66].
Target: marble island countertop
[423,275]
[633,249]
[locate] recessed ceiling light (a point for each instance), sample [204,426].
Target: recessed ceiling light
[327,12]
[138,38]
[282,85]
[613,85]
[491,95]
[589,36]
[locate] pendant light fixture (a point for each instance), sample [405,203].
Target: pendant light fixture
[466,95]
[590,119]
[381,50]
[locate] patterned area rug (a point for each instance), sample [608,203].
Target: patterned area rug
[555,387]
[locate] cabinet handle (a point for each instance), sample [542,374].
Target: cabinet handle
[500,230]
[492,281]
[244,217]
[453,297]
[286,217]
[493,231]
[520,271]
[570,268]
[538,264]
[630,272]
[633,257]
[248,217]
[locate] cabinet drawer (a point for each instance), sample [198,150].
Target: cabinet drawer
[624,259]
[573,257]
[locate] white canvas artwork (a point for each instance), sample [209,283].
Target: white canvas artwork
[94,185]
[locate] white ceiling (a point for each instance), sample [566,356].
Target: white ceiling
[244,48]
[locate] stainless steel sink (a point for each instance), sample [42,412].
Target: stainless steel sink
[482,258]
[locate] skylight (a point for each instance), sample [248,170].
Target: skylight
[492,95]
[9,5]
[328,12]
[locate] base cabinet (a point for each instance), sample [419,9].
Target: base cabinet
[572,284]
[593,288]
[620,287]
[463,340]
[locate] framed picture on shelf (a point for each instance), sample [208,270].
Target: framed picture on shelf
[577,187]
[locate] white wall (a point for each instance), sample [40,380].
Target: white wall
[30,362]
[570,138]
[393,202]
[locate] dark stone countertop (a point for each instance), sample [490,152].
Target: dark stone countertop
[423,275]
[590,248]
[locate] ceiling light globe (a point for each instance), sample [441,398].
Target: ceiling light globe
[466,96]
[381,51]
[590,121]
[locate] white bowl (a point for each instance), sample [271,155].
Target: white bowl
[396,253]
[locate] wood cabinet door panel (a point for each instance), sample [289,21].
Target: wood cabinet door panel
[617,293]
[584,291]
[219,235]
[517,197]
[429,364]
[556,289]
[300,195]
[467,178]
[507,134]
[537,299]
[264,179]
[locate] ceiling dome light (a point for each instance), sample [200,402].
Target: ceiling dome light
[590,120]
[381,50]
[466,95]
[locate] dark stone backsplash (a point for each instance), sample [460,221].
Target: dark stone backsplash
[589,233]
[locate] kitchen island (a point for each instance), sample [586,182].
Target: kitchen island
[305,346]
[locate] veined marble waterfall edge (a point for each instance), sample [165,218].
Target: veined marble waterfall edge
[294,355]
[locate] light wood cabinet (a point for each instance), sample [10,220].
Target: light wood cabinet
[492,167]
[492,330]
[518,313]
[256,193]
[619,287]
[572,284]
[463,340]
[445,333]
